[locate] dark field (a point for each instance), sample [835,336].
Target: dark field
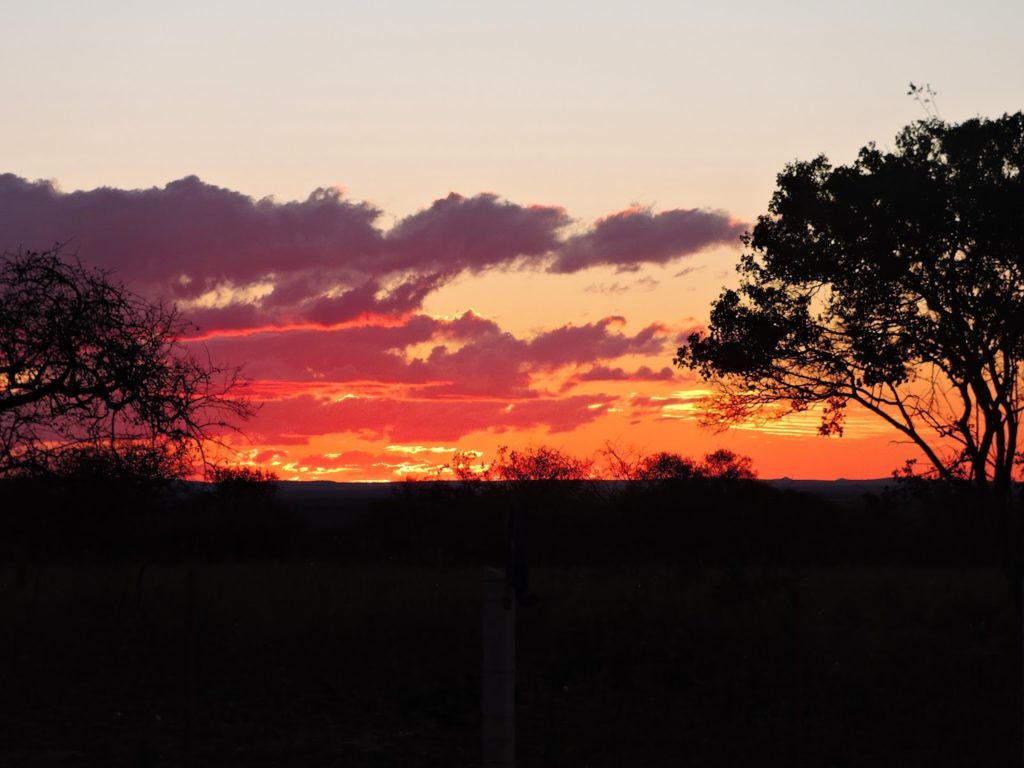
[860,639]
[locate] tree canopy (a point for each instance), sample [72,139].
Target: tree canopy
[895,282]
[93,377]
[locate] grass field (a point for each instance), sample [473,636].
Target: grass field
[376,663]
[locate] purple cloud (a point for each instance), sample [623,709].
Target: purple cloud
[638,236]
[457,234]
[234,262]
[189,236]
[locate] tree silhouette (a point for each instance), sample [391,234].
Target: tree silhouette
[542,464]
[95,378]
[665,466]
[721,464]
[896,283]
[724,464]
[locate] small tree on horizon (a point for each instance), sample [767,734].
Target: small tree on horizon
[538,464]
[724,464]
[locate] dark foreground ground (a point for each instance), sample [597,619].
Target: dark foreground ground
[361,646]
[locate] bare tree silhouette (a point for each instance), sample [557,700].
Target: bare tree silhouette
[95,378]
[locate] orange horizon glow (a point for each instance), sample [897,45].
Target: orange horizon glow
[778,449]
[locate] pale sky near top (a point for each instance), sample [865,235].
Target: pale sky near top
[587,105]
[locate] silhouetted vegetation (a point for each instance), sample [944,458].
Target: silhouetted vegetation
[895,283]
[663,465]
[94,379]
[667,508]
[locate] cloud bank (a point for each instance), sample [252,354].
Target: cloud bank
[467,356]
[323,307]
[234,262]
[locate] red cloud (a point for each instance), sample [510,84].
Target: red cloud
[489,362]
[358,353]
[298,418]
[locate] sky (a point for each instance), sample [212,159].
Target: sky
[429,227]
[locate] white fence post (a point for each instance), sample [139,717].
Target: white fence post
[498,699]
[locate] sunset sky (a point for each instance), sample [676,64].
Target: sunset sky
[425,227]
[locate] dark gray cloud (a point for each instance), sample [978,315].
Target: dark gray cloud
[457,234]
[637,236]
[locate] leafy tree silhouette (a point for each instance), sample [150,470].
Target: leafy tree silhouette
[94,379]
[896,283]
[665,466]
[542,464]
[724,464]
